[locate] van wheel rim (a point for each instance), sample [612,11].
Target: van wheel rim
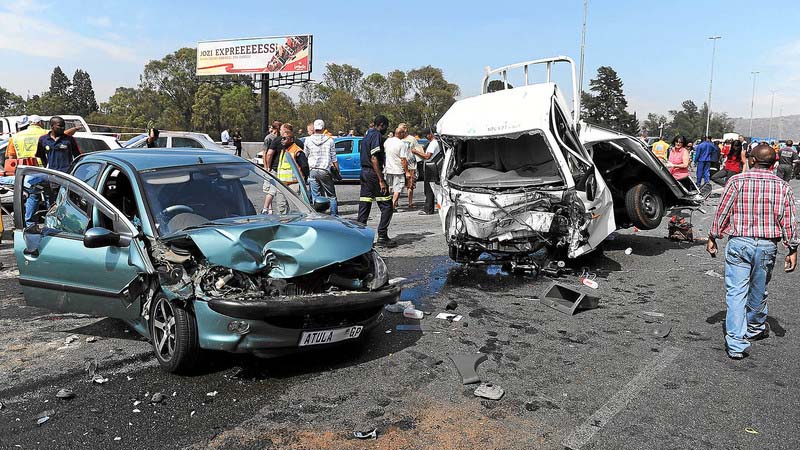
[164,329]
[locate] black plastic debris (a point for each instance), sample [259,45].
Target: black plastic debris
[451,305]
[466,365]
[568,300]
[372,434]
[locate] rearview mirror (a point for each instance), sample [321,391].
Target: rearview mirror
[100,237]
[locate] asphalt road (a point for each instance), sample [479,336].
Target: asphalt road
[596,380]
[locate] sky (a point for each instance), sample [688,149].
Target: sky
[659,48]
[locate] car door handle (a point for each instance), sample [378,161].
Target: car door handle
[349,158]
[33,253]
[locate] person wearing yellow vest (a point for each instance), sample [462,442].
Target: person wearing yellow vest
[660,149]
[22,146]
[285,173]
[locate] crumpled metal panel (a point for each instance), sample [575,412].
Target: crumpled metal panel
[299,244]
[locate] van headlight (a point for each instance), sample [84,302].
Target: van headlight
[380,273]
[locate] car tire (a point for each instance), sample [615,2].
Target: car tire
[645,206]
[179,350]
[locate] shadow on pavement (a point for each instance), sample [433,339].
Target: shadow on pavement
[774,325]
[108,328]
[648,245]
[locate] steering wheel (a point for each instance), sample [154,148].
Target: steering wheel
[170,211]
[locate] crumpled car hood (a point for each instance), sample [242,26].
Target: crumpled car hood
[294,244]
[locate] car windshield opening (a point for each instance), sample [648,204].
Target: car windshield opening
[504,162]
[191,196]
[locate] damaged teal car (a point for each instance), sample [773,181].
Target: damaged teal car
[196,250]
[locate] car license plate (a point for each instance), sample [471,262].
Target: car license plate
[329,336]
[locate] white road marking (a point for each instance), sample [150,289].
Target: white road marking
[615,404]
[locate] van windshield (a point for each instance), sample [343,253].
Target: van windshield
[504,162]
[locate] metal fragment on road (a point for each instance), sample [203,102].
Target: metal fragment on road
[567,300]
[158,397]
[91,339]
[653,314]
[372,434]
[466,365]
[489,391]
[712,273]
[65,394]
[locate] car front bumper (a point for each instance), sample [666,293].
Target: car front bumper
[275,327]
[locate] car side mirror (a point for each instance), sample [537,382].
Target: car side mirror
[432,172]
[321,206]
[98,237]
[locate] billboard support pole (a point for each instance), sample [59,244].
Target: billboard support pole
[264,104]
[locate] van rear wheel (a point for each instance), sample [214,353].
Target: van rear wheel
[645,206]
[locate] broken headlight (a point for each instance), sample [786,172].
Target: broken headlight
[380,274]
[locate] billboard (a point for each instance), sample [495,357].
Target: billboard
[280,54]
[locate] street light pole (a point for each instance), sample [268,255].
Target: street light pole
[752,101]
[583,46]
[771,106]
[711,82]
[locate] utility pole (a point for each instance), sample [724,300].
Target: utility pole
[264,105]
[752,102]
[583,46]
[711,82]
[771,106]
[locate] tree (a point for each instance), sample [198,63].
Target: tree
[174,77]
[653,125]
[342,77]
[607,106]
[10,103]
[206,110]
[60,85]
[238,108]
[686,122]
[433,95]
[83,99]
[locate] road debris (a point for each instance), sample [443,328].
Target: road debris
[413,313]
[451,305]
[404,327]
[751,430]
[137,410]
[91,339]
[449,316]
[399,306]
[712,273]
[489,391]
[137,402]
[65,394]
[628,251]
[567,300]
[70,339]
[653,314]
[158,397]
[118,438]
[466,365]
[372,434]
[99,379]
[91,368]
[211,394]
[191,414]
[44,416]
[396,280]
[661,331]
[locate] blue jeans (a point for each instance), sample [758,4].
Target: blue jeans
[322,186]
[703,172]
[748,269]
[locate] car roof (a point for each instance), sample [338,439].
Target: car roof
[158,158]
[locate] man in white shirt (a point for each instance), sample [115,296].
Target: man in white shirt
[413,144]
[396,169]
[427,155]
[321,153]
[225,137]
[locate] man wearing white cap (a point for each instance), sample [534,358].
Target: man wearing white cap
[321,153]
[22,145]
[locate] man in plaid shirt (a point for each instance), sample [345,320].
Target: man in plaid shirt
[757,212]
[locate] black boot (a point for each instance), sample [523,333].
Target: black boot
[385,242]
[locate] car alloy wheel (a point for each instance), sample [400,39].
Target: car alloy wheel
[173,330]
[164,329]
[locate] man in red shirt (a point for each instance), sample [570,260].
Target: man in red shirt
[757,212]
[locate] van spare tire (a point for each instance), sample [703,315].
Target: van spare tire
[645,206]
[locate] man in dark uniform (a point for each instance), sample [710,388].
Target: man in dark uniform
[373,185]
[788,159]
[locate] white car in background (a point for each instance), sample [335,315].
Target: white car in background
[181,139]
[8,124]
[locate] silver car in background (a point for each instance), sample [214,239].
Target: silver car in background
[181,139]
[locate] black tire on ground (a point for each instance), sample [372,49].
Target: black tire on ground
[179,350]
[645,206]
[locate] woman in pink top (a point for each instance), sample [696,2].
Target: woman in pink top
[679,159]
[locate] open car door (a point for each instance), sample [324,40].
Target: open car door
[75,251]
